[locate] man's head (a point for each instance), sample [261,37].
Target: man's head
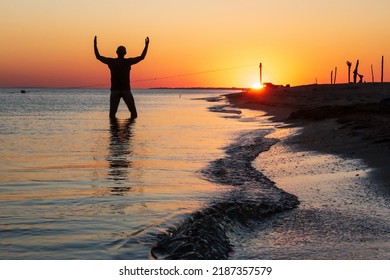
[121,51]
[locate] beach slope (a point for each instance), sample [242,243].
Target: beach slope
[350,120]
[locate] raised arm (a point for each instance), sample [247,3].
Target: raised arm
[146,48]
[97,54]
[143,54]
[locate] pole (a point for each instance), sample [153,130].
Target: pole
[355,72]
[331,77]
[383,61]
[349,64]
[261,73]
[335,75]
[372,73]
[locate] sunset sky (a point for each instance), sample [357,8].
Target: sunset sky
[49,43]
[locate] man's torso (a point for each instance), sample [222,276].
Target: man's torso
[120,73]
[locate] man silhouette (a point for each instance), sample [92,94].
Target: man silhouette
[120,77]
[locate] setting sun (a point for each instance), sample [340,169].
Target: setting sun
[257,86]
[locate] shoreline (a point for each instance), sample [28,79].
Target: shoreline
[333,154]
[207,233]
[303,177]
[347,120]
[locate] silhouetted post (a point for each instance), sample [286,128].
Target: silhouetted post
[331,77]
[261,73]
[382,64]
[335,75]
[349,71]
[355,72]
[360,78]
[372,73]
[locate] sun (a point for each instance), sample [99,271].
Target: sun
[257,86]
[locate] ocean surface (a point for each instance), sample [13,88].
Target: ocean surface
[74,185]
[182,181]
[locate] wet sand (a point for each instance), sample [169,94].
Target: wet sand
[349,120]
[333,154]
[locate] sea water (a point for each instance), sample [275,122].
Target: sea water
[74,185]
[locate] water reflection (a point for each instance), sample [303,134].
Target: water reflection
[119,154]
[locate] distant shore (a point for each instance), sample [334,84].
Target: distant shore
[349,120]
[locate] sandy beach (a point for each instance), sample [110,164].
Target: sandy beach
[333,154]
[350,120]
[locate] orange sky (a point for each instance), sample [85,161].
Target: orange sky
[50,43]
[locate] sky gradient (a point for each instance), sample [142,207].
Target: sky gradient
[47,43]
